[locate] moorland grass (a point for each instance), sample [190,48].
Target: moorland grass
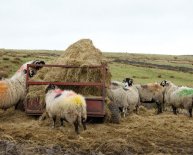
[145,75]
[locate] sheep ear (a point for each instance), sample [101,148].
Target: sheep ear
[38,62]
[131,82]
[51,86]
[25,71]
[127,79]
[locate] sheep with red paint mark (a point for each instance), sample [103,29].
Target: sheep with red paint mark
[13,90]
[66,105]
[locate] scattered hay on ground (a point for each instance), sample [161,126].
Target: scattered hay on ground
[136,134]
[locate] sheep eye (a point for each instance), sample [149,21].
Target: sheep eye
[31,73]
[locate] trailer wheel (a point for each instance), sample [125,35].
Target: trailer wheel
[115,114]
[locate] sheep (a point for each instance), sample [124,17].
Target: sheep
[13,90]
[126,98]
[67,105]
[119,97]
[178,97]
[152,92]
[117,84]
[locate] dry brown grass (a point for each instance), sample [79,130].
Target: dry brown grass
[145,133]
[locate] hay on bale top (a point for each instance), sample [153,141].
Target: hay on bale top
[81,53]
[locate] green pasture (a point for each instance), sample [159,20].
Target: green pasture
[144,75]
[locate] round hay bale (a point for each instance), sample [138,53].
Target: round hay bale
[82,54]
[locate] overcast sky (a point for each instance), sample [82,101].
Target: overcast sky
[133,26]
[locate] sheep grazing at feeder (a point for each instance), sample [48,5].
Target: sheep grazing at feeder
[119,97]
[178,97]
[13,90]
[125,96]
[66,105]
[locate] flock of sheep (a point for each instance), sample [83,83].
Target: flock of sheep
[71,107]
[127,97]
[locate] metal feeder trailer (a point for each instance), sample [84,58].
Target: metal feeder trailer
[95,105]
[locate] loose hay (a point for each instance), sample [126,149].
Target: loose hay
[83,54]
[137,134]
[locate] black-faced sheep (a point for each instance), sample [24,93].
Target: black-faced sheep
[125,96]
[66,105]
[13,90]
[178,97]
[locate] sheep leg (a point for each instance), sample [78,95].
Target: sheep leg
[62,121]
[54,121]
[16,105]
[136,109]
[76,124]
[43,116]
[159,108]
[84,123]
[190,112]
[124,111]
[174,109]
[19,105]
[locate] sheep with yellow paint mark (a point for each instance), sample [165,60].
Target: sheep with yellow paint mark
[66,105]
[13,90]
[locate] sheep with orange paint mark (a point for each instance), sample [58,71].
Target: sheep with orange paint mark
[67,105]
[13,90]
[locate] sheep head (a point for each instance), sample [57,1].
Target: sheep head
[38,62]
[164,83]
[128,82]
[32,70]
[51,87]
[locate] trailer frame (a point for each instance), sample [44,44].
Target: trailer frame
[95,105]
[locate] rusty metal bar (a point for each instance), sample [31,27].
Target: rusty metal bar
[65,66]
[66,83]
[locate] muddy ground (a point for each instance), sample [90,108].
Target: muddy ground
[145,133]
